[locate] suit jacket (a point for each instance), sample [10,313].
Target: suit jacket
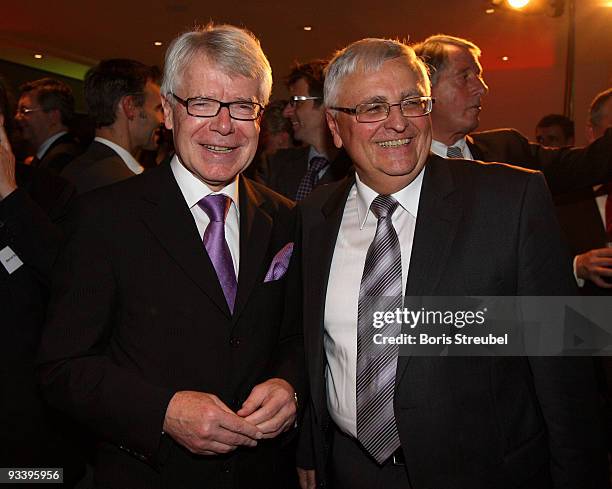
[468,422]
[61,152]
[30,434]
[565,169]
[138,314]
[285,169]
[99,166]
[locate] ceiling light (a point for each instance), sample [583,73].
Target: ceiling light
[518,3]
[307,28]
[490,11]
[38,56]
[157,43]
[505,58]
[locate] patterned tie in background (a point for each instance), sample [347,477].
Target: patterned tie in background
[381,289]
[454,152]
[216,246]
[310,177]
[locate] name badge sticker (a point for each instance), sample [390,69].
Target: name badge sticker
[9,259]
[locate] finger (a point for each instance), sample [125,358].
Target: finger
[239,426]
[253,402]
[278,423]
[213,448]
[228,437]
[4,142]
[219,403]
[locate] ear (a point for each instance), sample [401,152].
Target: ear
[167,106]
[128,107]
[333,127]
[590,134]
[55,116]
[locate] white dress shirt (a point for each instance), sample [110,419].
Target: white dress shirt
[42,149]
[124,154]
[356,233]
[440,149]
[193,190]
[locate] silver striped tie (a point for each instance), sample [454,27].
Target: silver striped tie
[381,289]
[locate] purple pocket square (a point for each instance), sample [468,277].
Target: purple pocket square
[280,263]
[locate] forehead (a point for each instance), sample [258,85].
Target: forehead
[395,80]
[27,98]
[460,59]
[300,87]
[204,78]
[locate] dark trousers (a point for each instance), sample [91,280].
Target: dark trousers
[352,468]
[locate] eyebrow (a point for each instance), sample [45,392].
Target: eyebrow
[413,92]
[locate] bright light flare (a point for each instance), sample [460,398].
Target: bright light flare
[518,3]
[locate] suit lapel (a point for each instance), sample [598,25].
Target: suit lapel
[476,151]
[166,214]
[255,229]
[319,243]
[439,214]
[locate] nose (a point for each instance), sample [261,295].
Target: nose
[480,87]
[396,121]
[288,111]
[222,122]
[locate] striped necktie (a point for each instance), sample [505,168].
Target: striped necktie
[381,289]
[454,152]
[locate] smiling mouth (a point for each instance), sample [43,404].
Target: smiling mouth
[219,149]
[394,143]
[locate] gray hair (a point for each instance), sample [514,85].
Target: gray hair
[236,51]
[433,52]
[367,56]
[596,109]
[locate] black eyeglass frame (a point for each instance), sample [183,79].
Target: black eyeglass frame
[185,103]
[353,111]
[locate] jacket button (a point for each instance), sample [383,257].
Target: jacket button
[235,342]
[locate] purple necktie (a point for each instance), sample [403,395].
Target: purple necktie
[215,207]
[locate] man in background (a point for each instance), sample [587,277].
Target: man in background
[555,131]
[44,111]
[124,101]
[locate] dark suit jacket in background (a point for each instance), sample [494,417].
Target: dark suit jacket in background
[99,166]
[472,422]
[30,434]
[284,170]
[61,152]
[138,314]
[565,169]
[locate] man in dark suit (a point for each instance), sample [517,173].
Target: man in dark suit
[31,199]
[410,223]
[44,112]
[174,330]
[294,172]
[458,87]
[124,101]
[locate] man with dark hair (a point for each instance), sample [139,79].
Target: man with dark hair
[458,88]
[44,112]
[555,131]
[294,172]
[124,102]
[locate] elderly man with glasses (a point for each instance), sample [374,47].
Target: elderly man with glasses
[294,172]
[175,335]
[411,224]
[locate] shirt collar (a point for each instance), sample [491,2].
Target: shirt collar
[439,148]
[194,189]
[48,142]
[124,154]
[408,197]
[313,153]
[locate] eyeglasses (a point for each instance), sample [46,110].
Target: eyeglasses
[25,111]
[379,111]
[301,98]
[209,107]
